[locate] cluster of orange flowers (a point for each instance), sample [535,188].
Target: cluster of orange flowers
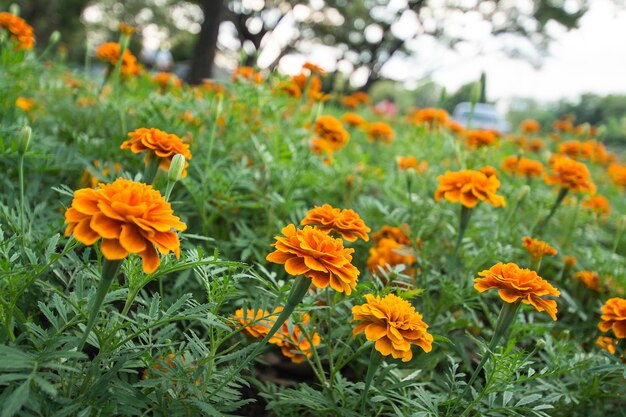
[391,247]
[355,99]
[331,135]
[18,30]
[514,283]
[294,343]
[246,74]
[590,150]
[158,144]
[393,324]
[129,217]
[469,187]
[522,167]
[110,52]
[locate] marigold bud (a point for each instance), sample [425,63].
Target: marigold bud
[24,140]
[522,192]
[175,172]
[54,37]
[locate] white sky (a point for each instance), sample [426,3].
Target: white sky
[591,58]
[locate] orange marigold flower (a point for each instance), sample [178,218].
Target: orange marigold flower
[110,52]
[293,342]
[314,91]
[530,126]
[469,187]
[332,130]
[570,261]
[590,279]
[430,116]
[321,146]
[536,145]
[247,74]
[355,99]
[291,88]
[617,172]
[353,119]
[126,29]
[479,138]
[345,222]
[167,79]
[18,30]
[158,143]
[614,317]
[256,323]
[130,217]
[571,148]
[410,162]
[380,131]
[399,234]
[607,343]
[599,204]
[514,283]
[24,103]
[393,324]
[538,248]
[313,68]
[572,175]
[564,125]
[454,126]
[388,253]
[316,255]
[488,170]
[522,167]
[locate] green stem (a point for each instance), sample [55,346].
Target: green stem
[375,361]
[464,219]
[109,272]
[618,235]
[151,169]
[297,293]
[559,199]
[20,169]
[505,320]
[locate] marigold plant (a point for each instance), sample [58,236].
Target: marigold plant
[129,217]
[393,324]
[571,175]
[18,30]
[158,144]
[316,255]
[469,187]
[514,283]
[345,222]
[614,317]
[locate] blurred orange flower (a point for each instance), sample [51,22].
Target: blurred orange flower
[530,126]
[607,343]
[598,204]
[89,180]
[158,143]
[538,248]
[246,74]
[388,253]
[411,163]
[345,222]
[18,30]
[469,187]
[398,234]
[570,261]
[24,103]
[479,138]
[522,167]
[614,317]
[429,116]
[571,175]
[617,172]
[167,79]
[393,324]
[590,279]
[514,283]
[313,68]
[353,119]
[380,131]
[130,217]
[331,130]
[316,255]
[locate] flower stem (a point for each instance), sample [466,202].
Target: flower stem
[151,169]
[109,271]
[505,320]
[297,293]
[464,219]
[20,169]
[375,360]
[559,199]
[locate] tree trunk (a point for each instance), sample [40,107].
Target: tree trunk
[204,52]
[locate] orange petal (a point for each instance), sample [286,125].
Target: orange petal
[131,239]
[150,259]
[84,234]
[112,250]
[106,227]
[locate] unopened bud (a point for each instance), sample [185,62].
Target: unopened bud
[540,344]
[523,191]
[55,37]
[24,140]
[175,172]
[14,9]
